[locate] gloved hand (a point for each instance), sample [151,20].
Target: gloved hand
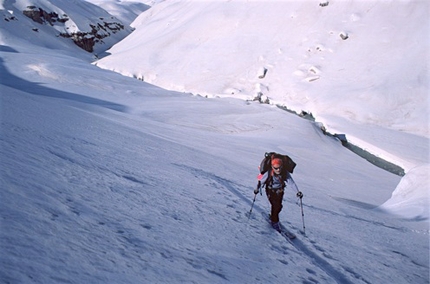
[299,194]
[256,191]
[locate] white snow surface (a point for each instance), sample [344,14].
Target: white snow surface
[108,179]
[378,75]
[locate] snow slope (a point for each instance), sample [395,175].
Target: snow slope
[108,179]
[371,86]
[124,10]
[376,78]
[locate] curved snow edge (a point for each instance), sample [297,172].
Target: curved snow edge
[410,199]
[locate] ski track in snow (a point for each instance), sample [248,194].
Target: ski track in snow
[297,243]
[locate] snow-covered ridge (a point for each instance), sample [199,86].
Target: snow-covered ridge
[87,25]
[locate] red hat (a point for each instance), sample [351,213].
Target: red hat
[276,162]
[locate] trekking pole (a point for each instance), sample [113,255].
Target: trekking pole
[300,195]
[253,201]
[252,206]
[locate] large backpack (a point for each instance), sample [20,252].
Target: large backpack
[288,164]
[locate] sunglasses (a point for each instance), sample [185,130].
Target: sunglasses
[276,168]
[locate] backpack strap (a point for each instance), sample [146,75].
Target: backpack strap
[269,180]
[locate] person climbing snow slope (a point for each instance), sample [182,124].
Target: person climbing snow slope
[275,179]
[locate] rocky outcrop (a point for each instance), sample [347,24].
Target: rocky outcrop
[87,40]
[102,28]
[41,16]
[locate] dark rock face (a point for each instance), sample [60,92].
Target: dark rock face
[41,16]
[84,39]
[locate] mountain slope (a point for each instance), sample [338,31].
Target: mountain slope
[358,67]
[222,47]
[48,22]
[102,183]
[108,179]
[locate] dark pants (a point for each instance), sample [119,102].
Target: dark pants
[275,199]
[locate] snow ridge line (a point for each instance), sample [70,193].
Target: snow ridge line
[298,244]
[38,89]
